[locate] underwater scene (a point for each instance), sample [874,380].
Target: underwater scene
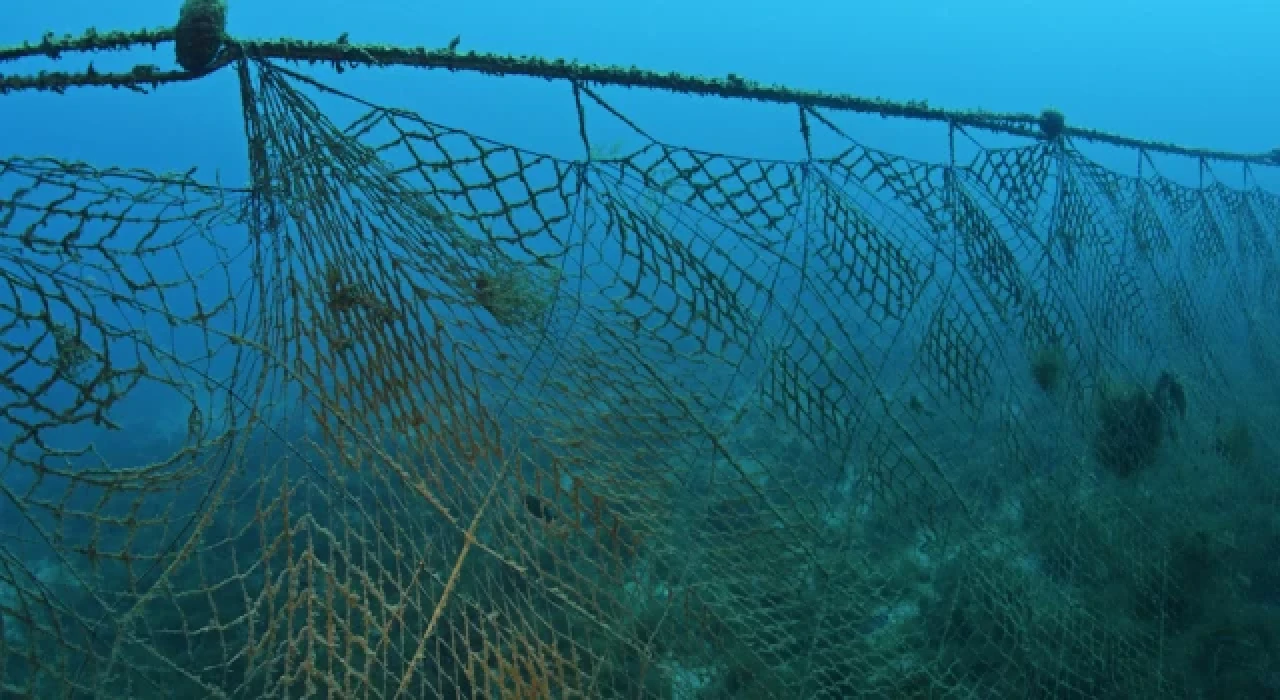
[906,402]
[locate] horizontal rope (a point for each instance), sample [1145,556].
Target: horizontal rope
[342,54]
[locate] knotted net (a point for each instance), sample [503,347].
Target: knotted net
[445,417]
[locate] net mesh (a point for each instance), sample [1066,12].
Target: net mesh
[444,417]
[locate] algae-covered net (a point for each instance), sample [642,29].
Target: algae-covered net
[428,415]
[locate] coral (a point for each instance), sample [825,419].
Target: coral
[1048,367]
[1130,430]
[1233,654]
[201,29]
[1234,442]
[1170,394]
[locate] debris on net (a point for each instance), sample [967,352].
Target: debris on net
[199,35]
[516,295]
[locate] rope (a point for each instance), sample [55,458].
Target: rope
[342,54]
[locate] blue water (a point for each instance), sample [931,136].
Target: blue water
[1189,72]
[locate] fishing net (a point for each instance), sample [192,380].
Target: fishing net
[445,417]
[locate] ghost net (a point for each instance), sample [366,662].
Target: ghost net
[445,417]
